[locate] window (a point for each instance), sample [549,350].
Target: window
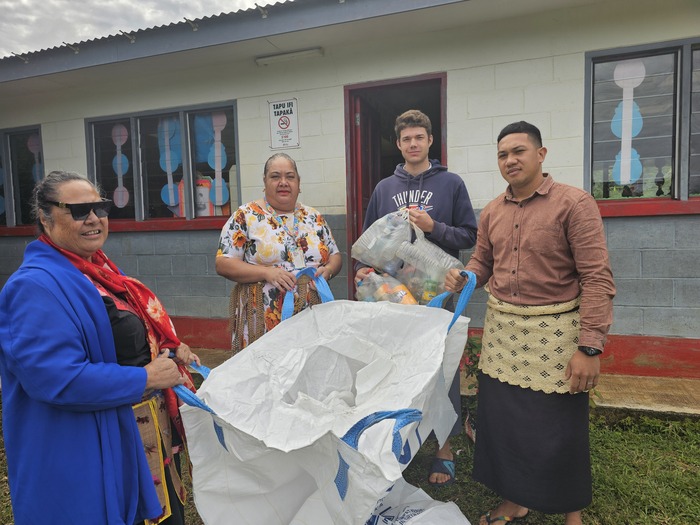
[694,171]
[21,166]
[3,218]
[175,164]
[114,162]
[643,106]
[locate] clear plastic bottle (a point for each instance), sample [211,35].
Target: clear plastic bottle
[380,286]
[400,294]
[430,290]
[387,288]
[365,291]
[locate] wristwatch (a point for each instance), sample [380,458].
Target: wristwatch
[590,351]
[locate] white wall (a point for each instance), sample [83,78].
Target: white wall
[528,68]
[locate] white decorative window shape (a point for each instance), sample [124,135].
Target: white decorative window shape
[178,164]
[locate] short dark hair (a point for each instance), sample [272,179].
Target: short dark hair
[522,127]
[46,190]
[412,118]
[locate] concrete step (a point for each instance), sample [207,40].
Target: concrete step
[658,394]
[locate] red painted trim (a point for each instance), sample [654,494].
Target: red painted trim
[443,119]
[397,80]
[200,332]
[652,356]
[633,207]
[18,231]
[127,225]
[624,354]
[352,183]
[167,225]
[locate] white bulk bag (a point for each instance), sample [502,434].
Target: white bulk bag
[329,407]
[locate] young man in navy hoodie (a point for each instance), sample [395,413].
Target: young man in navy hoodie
[438,203]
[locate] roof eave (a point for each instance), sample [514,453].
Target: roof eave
[267,21]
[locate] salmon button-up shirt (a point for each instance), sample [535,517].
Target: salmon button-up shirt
[545,249]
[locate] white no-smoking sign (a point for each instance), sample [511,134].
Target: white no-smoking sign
[284,129]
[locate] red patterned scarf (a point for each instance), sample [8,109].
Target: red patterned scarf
[160,331]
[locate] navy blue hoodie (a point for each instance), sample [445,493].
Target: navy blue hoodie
[441,193]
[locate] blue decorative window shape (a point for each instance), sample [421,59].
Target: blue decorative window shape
[176,164]
[634,127]
[643,128]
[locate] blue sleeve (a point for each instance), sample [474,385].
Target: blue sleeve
[461,234]
[48,350]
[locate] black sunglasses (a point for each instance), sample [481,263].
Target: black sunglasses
[80,211]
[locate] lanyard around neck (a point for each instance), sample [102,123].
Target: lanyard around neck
[294,233]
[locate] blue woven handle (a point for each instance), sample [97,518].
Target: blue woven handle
[324,292]
[201,369]
[402,418]
[190,398]
[464,296]
[185,394]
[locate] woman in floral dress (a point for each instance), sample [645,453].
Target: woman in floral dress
[264,245]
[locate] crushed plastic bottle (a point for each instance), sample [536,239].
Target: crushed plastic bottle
[386,288]
[365,291]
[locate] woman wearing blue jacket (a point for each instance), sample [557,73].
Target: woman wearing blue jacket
[85,374]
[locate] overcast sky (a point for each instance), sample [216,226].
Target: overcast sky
[32,25]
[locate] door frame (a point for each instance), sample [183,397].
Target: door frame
[354,151]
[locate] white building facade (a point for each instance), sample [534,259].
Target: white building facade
[145,113]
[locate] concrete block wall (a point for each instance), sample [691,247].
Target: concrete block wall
[178,266]
[656,266]
[320,156]
[655,262]
[11,254]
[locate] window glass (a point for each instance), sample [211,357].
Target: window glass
[160,143]
[3,216]
[634,120]
[27,165]
[694,167]
[142,163]
[213,161]
[114,165]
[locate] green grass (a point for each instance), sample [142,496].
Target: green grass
[646,470]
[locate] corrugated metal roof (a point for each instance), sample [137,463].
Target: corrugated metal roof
[282,17]
[137,32]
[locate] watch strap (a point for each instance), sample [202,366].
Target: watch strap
[590,351]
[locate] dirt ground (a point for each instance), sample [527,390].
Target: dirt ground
[212,357]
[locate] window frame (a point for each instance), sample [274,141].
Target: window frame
[141,222]
[10,183]
[680,203]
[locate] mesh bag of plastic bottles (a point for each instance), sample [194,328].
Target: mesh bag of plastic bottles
[425,266]
[377,246]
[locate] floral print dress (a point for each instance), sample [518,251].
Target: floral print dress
[253,235]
